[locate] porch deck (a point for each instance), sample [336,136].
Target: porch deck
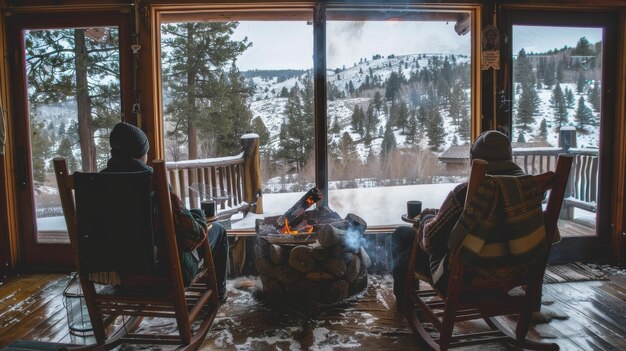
[31,308]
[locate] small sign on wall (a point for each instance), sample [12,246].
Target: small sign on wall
[490,48]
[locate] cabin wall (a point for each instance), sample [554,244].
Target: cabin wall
[143,22]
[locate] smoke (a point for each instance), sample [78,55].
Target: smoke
[354,239]
[347,39]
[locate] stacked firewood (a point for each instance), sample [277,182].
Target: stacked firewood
[322,267]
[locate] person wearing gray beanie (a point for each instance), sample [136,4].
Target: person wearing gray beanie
[126,140]
[436,225]
[129,148]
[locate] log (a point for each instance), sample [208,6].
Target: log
[320,276]
[320,253]
[354,269]
[356,222]
[366,261]
[286,274]
[329,236]
[295,214]
[271,287]
[301,258]
[277,254]
[359,284]
[264,266]
[336,266]
[305,291]
[337,291]
[322,215]
[261,249]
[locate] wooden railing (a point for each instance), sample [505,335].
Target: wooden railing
[582,188]
[232,179]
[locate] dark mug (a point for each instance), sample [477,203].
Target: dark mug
[413,208]
[208,207]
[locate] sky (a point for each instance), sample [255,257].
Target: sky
[281,45]
[289,44]
[539,39]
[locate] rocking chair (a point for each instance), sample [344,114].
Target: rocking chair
[110,219]
[516,293]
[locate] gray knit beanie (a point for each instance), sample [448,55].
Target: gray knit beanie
[495,148]
[126,140]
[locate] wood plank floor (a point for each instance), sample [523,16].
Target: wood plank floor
[31,308]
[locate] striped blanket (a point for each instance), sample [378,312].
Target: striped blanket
[502,224]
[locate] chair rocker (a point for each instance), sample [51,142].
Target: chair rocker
[470,300]
[109,219]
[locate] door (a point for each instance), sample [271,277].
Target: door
[68,73]
[562,101]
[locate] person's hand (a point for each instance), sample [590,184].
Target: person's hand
[428,211]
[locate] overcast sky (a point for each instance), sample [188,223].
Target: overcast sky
[289,45]
[541,39]
[278,45]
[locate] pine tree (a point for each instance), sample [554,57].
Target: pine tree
[435,130]
[411,135]
[569,97]
[464,127]
[40,150]
[296,141]
[549,76]
[65,150]
[559,106]
[594,96]
[581,82]
[371,122]
[393,86]
[378,102]
[583,115]
[347,150]
[259,128]
[583,48]
[194,60]
[402,118]
[525,109]
[523,69]
[521,138]
[336,128]
[66,64]
[284,92]
[389,141]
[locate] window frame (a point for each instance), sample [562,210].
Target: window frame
[279,11]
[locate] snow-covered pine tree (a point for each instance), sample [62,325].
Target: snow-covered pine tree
[584,115]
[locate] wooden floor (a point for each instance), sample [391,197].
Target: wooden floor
[31,308]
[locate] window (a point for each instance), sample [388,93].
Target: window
[557,80]
[398,111]
[399,93]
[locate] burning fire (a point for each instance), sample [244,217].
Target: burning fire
[310,201]
[286,229]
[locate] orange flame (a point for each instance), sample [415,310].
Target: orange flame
[309,201]
[287,229]
[309,229]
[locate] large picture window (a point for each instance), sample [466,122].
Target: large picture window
[396,109]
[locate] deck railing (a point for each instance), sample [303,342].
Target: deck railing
[229,180]
[582,188]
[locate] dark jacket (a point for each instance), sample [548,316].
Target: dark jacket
[190,225]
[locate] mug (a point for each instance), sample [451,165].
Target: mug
[413,208]
[208,207]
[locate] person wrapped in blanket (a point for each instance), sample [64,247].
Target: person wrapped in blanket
[129,148]
[436,225]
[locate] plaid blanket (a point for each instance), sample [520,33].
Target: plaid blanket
[502,224]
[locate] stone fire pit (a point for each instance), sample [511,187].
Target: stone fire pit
[323,262]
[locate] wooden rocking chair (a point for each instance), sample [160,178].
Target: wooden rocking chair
[467,299]
[110,223]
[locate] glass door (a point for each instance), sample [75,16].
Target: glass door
[68,100]
[561,98]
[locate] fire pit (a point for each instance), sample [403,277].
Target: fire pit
[311,256]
